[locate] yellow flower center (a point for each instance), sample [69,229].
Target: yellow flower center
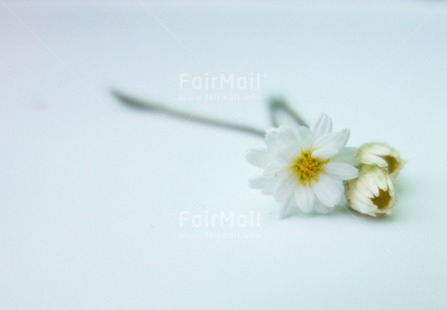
[392,162]
[308,168]
[383,200]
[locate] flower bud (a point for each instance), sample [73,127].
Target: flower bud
[372,192]
[382,155]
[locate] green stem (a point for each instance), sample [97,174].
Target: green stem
[278,104]
[186,116]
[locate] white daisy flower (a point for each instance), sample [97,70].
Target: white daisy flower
[304,168]
[382,155]
[372,192]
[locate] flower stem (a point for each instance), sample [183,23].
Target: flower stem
[277,104]
[152,107]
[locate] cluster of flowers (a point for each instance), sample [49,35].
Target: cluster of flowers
[311,169]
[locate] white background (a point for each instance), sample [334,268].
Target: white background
[91,192]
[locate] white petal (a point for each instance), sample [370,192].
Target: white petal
[335,140]
[381,181]
[343,200]
[361,197]
[363,208]
[324,153]
[347,155]
[304,198]
[372,159]
[390,184]
[257,182]
[278,137]
[305,137]
[258,156]
[323,126]
[282,144]
[341,171]
[273,175]
[287,208]
[321,208]
[272,170]
[286,154]
[285,188]
[269,186]
[365,189]
[371,185]
[379,149]
[327,191]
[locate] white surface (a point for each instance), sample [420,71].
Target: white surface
[91,192]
